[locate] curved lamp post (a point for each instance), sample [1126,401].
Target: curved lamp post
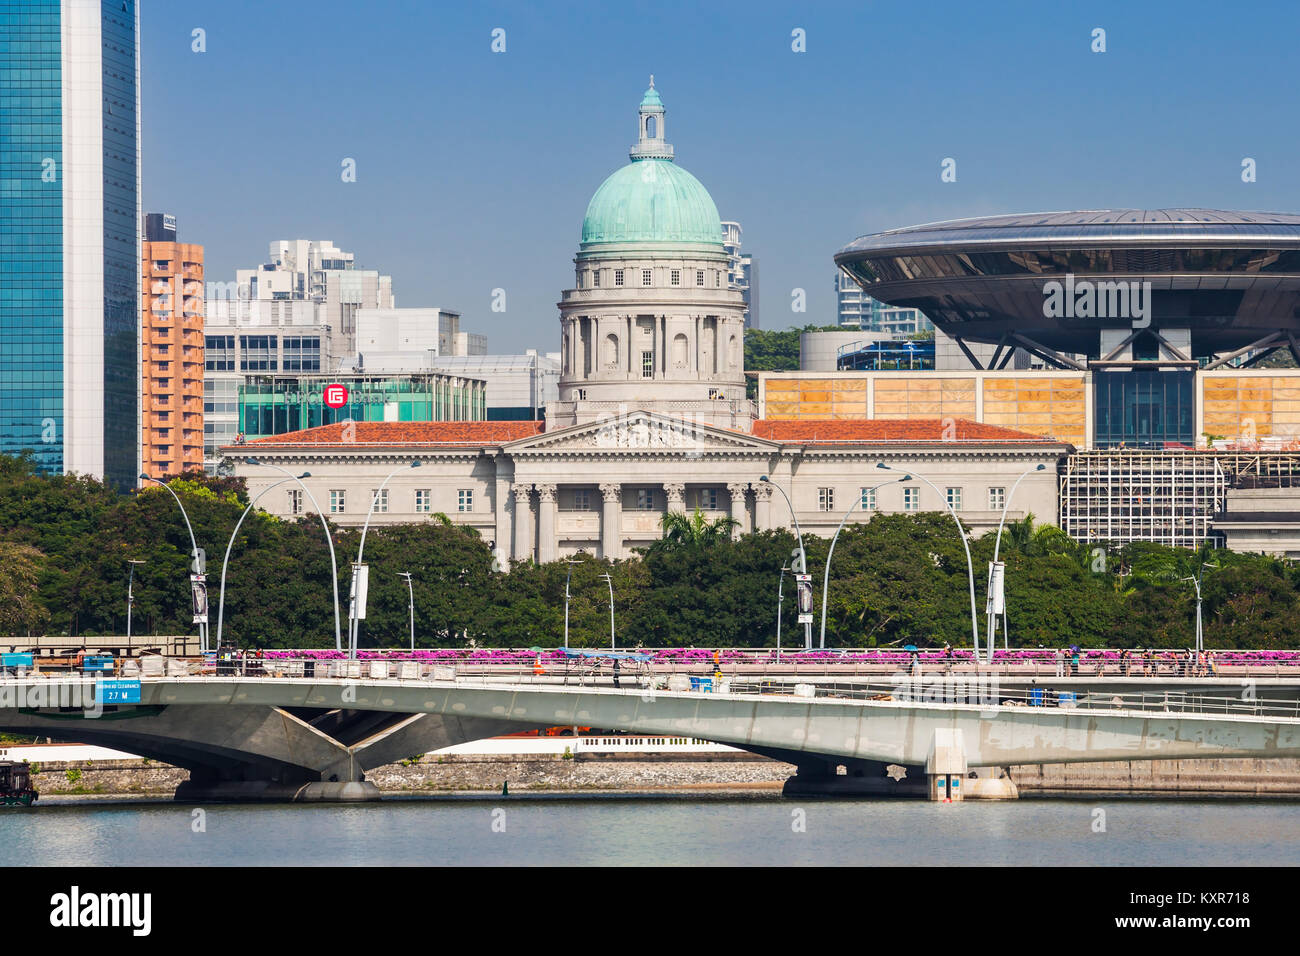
[329,539]
[970,567]
[997,547]
[826,574]
[411,592]
[610,581]
[568,575]
[354,622]
[780,596]
[803,555]
[130,600]
[194,548]
[221,600]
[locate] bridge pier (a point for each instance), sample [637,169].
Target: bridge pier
[270,791]
[861,778]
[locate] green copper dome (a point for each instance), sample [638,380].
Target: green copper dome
[653,200]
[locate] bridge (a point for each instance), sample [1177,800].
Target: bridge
[314,738]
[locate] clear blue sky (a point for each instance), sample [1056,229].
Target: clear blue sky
[474,168]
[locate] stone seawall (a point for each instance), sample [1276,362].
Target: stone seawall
[626,772]
[1241,777]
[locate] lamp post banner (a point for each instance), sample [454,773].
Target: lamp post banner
[199,597]
[803,584]
[997,601]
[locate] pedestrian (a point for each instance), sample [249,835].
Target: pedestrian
[1074,662]
[616,673]
[916,664]
[1060,662]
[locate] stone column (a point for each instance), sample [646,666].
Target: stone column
[611,520]
[523,522]
[546,543]
[675,494]
[738,510]
[762,507]
[500,505]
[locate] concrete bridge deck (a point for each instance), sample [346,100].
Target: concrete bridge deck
[284,737]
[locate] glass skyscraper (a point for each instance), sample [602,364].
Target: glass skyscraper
[70,235]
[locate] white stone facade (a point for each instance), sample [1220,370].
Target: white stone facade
[603,487]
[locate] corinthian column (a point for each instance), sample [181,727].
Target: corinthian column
[675,493]
[738,510]
[611,519]
[762,507]
[546,544]
[523,522]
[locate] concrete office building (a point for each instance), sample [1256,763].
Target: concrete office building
[70,248]
[171,351]
[742,271]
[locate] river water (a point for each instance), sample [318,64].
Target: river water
[541,830]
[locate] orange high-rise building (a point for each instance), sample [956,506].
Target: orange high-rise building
[171,360]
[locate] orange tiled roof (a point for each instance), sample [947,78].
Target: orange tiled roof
[404,433]
[869,431]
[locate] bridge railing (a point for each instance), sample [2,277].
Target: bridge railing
[986,693]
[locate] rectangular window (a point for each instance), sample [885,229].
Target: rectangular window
[645,499]
[997,499]
[595,278]
[582,500]
[338,501]
[954,499]
[911,499]
[295,501]
[645,276]
[465,499]
[423,501]
[825,499]
[647,364]
[699,277]
[676,277]
[708,499]
[868,499]
[380,500]
[717,279]
[618,277]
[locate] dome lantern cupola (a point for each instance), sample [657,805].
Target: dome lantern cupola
[650,142]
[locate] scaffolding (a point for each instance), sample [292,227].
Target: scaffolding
[1165,497]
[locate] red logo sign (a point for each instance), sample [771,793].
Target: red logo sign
[336,396]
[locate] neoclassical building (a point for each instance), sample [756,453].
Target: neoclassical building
[652,415]
[650,320]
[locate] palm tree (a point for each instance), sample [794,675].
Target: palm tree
[695,531]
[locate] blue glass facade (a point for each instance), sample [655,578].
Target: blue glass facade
[32,236]
[121,254]
[1145,409]
[31,232]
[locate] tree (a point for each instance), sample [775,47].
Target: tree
[21,567]
[695,531]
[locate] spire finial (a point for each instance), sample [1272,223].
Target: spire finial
[652,81]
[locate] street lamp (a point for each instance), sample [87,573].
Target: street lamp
[610,581]
[970,567]
[221,600]
[1196,583]
[780,595]
[199,557]
[411,591]
[569,574]
[354,622]
[997,546]
[826,574]
[329,539]
[130,597]
[803,555]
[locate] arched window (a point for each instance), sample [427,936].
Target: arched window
[611,351]
[733,352]
[651,125]
[679,350]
